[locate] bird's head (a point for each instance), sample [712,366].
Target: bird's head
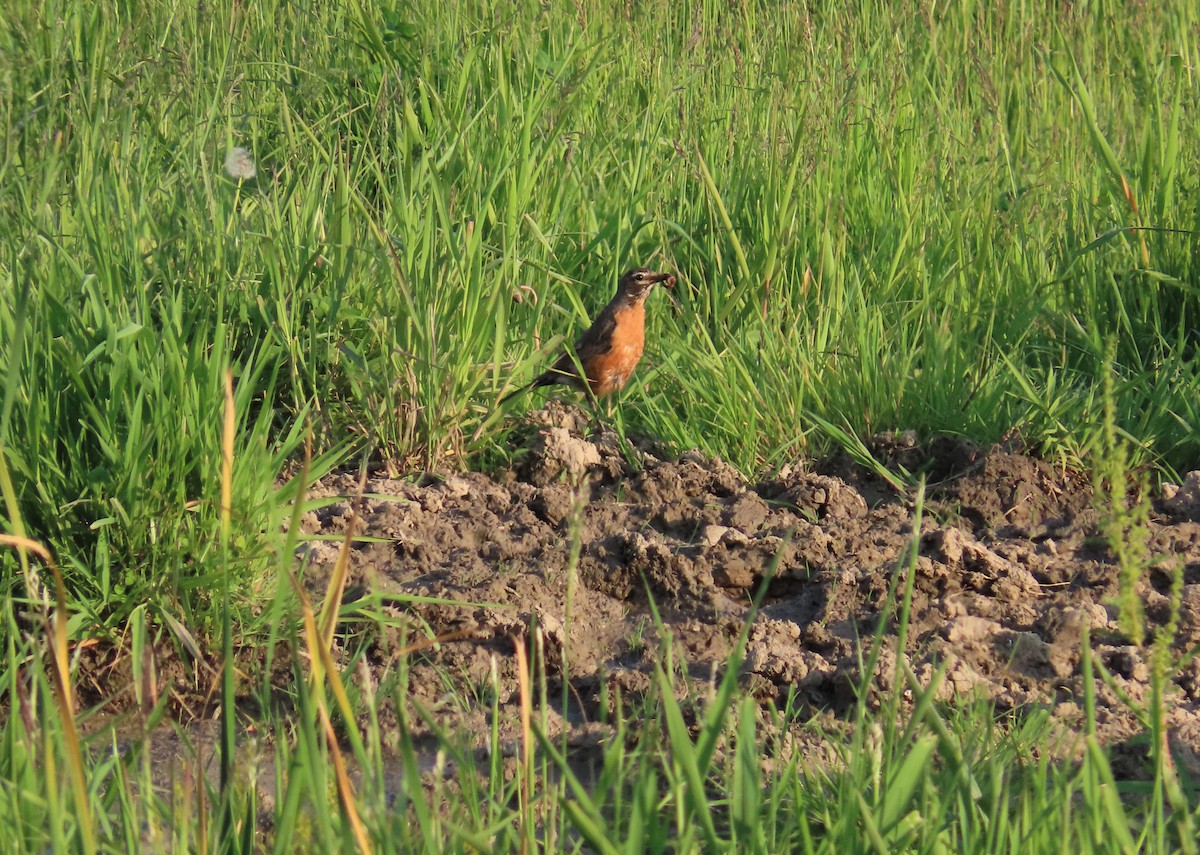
[636,284]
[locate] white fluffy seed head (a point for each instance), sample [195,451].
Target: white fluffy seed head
[239,164]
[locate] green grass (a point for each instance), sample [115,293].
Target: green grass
[887,216]
[879,218]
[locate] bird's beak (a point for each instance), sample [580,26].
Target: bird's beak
[666,278]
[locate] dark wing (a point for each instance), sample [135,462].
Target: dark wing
[597,341]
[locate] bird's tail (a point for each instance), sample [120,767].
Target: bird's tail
[546,378]
[515,392]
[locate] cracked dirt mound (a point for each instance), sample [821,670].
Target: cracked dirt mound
[1009,572]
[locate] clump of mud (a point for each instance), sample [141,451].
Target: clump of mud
[1009,573]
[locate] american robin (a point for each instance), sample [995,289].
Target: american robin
[612,346]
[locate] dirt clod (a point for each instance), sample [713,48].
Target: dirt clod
[1183,501]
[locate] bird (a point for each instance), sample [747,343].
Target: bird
[612,346]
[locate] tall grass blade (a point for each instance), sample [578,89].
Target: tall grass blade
[63,695]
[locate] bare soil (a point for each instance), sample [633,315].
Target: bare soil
[1011,567]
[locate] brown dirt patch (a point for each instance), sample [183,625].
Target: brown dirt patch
[1009,572]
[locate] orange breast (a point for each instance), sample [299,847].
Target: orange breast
[609,371]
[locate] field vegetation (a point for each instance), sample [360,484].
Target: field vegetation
[244,244]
